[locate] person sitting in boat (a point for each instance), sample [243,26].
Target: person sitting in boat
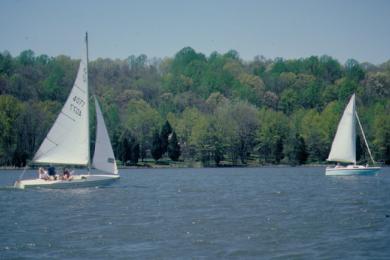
[52,172]
[43,174]
[67,175]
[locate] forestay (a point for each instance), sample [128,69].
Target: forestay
[68,140]
[103,158]
[344,144]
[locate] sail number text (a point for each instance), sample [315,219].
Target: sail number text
[77,104]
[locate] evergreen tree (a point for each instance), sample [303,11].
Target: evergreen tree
[124,150]
[128,149]
[166,130]
[302,153]
[295,149]
[278,152]
[133,150]
[135,154]
[174,148]
[156,147]
[218,155]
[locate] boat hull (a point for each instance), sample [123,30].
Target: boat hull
[351,170]
[78,181]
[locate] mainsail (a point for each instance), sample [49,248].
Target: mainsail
[68,140]
[344,144]
[103,158]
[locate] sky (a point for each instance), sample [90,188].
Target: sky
[289,29]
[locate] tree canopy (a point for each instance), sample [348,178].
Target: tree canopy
[216,109]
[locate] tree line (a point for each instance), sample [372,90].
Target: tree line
[216,109]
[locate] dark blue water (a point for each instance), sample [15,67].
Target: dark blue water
[240,213]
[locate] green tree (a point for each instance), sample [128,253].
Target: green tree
[271,135]
[142,120]
[184,124]
[245,117]
[128,149]
[377,86]
[10,109]
[295,149]
[312,134]
[289,101]
[173,148]
[345,88]
[207,140]
[166,130]
[135,153]
[6,63]
[330,69]
[353,70]
[382,133]
[26,57]
[156,149]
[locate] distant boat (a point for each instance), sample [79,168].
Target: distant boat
[67,142]
[344,145]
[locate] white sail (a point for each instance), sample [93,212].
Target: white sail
[344,144]
[68,140]
[103,158]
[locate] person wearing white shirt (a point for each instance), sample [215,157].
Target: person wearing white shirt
[43,174]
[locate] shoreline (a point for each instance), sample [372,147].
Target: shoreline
[190,166]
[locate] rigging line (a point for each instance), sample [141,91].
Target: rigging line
[79,88]
[51,149]
[364,137]
[51,141]
[48,151]
[55,145]
[24,170]
[68,116]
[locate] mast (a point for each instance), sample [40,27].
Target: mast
[364,137]
[67,142]
[87,101]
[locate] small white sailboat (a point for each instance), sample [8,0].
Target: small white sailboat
[344,145]
[67,142]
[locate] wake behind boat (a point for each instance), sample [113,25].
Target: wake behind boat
[344,145]
[67,142]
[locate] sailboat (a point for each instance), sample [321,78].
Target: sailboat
[67,142]
[344,145]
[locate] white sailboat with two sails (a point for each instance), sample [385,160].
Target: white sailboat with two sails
[67,142]
[344,146]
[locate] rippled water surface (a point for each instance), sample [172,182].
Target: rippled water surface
[201,214]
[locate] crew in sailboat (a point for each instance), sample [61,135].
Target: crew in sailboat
[43,174]
[52,172]
[66,175]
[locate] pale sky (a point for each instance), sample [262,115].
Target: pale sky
[280,28]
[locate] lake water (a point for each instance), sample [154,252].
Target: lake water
[237,213]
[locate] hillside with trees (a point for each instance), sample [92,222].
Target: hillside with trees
[216,109]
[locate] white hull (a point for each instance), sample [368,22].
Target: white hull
[78,181]
[352,170]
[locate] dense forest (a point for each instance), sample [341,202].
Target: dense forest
[217,109]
